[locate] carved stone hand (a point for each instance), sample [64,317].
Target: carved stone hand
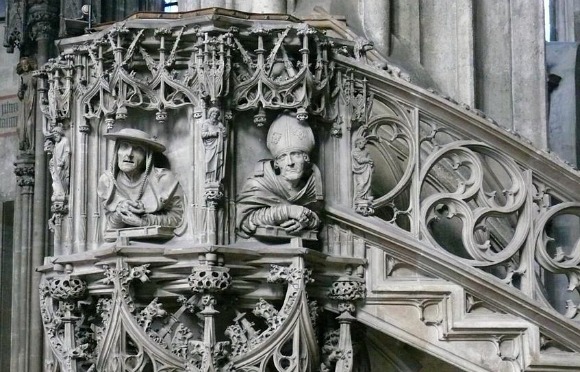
[132,219]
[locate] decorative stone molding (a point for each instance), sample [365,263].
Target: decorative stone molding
[24,170]
[59,298]
[346,290]
[42,20]
[121,315]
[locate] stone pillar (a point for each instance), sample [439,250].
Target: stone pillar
[243,5]
[187,5]
[27,351]
[213,3]
[563,139]
[564,118]
[510,76]
[563,23]
[418,28]
[25,179]
[529,93]
[377,23]
[269,6]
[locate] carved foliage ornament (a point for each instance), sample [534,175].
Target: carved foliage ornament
[275,68]
[129,334]
[557,256]
[60,312]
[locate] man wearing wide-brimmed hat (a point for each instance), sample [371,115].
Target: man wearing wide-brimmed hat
[135,192]
[287,192]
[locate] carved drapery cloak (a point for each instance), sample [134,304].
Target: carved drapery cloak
[59,167]
[213,140]
[162,197]
[265,190]
[362,167]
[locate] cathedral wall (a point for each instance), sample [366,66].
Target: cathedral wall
[9,108]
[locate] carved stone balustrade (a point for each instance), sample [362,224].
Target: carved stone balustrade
[132,304]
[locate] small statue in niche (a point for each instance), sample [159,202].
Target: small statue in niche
[59,165]
[287,192]
[362,169]
[135,192]
[27,94]
[213,135]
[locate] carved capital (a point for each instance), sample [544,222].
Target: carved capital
[348,289]
[43,21]
[209,279]
[66,288]
[85,128]
[213,193]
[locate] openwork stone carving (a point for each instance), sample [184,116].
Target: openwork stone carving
[281,78]
[431,181]
[346,290]
[287,192]
[59,309]
[209,279]
[66,288]
[466,159]
[557,256]
[135,193]
[249,344]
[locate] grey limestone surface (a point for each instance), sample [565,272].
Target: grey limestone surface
[561,60]
[8,138]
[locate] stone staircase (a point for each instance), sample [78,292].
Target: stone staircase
[458,314]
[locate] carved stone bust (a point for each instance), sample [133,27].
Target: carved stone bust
[284,193]
[135,193]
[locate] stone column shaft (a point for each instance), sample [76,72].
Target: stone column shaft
[16,265]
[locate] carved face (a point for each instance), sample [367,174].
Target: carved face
[214,114]
[292,165]
[57,137]
[131,158]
